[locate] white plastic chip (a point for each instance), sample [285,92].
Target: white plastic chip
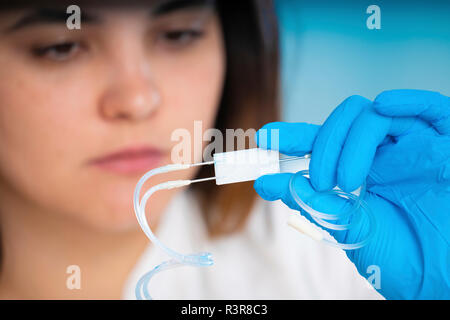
[304,227]
[245,165]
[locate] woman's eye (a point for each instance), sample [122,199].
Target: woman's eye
[58,52]
[180,37]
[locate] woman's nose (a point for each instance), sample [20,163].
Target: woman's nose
[134,99]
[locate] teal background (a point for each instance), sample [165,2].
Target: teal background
[328,53]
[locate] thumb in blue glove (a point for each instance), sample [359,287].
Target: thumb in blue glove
[400,146]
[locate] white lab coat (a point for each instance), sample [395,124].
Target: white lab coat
[267,260]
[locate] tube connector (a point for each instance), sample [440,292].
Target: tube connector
[304,227]
[173,184]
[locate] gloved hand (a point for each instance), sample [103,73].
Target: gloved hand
[400,146]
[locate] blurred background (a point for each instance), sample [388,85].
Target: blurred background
[328,53]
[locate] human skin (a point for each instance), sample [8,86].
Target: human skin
[123,84]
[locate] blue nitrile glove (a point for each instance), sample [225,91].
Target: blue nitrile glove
[400,146]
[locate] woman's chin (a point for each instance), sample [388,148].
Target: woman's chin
[111,221]
[111,209]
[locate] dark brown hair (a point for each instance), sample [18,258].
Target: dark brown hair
[250,99]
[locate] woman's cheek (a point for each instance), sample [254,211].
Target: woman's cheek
[40,136]
[196,97]
[193,82]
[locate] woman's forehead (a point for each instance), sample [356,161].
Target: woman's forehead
[17,17]
[164,4]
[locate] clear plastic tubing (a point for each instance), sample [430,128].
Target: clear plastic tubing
[178,259]
[247,165]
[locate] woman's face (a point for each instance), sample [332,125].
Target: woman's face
[85,113]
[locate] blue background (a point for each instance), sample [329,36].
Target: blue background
[328,53]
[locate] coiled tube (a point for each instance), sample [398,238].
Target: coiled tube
[359,206]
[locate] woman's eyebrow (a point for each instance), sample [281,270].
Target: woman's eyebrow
[47,16]
[170,6]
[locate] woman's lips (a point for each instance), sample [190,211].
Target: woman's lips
[130,160]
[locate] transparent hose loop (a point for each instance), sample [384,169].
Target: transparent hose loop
[199,259]
[359,206]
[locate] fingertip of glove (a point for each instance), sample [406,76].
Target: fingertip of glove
[264,135]
[272,187]
[319,181]
[348,185]
[258,185]
[398,102]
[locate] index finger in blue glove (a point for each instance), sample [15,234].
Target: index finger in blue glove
[330,140]
[293,139]
[430,106]
[366,134]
